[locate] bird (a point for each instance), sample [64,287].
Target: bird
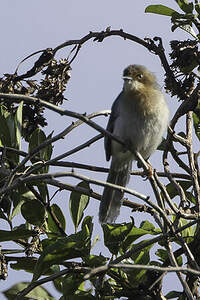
[139,117]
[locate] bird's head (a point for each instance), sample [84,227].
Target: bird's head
[137,79]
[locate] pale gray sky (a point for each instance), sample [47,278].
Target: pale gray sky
[28,26]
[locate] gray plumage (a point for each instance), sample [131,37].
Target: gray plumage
[139,117]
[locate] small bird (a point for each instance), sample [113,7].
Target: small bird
[139,117]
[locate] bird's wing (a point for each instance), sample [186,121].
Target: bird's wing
[110,127]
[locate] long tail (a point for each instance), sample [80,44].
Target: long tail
[112,199]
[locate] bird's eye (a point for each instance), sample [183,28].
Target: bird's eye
[140,76]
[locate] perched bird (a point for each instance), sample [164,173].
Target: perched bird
[139,117]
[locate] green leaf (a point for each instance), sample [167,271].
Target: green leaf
[36,139]
[185,6]
[33,211]
[25,263]
[146,225]
[94,261]
[160,10]
[15,234]
[174,294]
[162,254]
[58,250]
[4,129]
[142,258]
[197,8]
[78,203]
[18,125]
[188,233]
[172,191]
[135,233]
[188,28]
[59,216]
[71,284]
[196,121]
[38,293]
[11,125]
[2,215]
[28,264]
[115,234]
[43,190]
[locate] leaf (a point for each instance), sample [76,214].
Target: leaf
[188,28]
[174,294]
[71,284]
[33,211]
[15,234]
[11,125]
[44,193]
[146,225]
[94,261]
[185,6]
[78,203]
[25,263]
[160,10]
[196,122]
[60,217]
[36,139]
[136,276]
[172,191]
[135,233]
[4,130]
[38,293]
[188,233]
[28,264]
[163,255]
[115,234]
[18,125]
[58,250]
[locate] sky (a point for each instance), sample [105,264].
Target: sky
[28,26]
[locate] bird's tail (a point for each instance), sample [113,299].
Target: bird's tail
[112,199]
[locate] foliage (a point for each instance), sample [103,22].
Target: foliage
[139,256]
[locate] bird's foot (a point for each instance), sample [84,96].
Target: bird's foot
[149,172]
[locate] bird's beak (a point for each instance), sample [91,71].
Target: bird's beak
[127,78]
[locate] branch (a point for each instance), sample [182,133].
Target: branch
[34,284]
[99,270]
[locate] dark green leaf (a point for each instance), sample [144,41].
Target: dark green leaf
[185,6]
[77,204]
[197,8]
[187,233]
[94,261]
[60,249]
[4,130]
[174,294]
[28,264]
[2,215]
[135,233]
[146,225]
[142,258]
[196,122]
[18,125]
[160,9]
[59,216]
[15,234]
[11,125]
[38,293]
[172,191]
[115,234]
[36,139]
[33,211]
[43,190]
[71,284]
[25,263]
[163,255]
